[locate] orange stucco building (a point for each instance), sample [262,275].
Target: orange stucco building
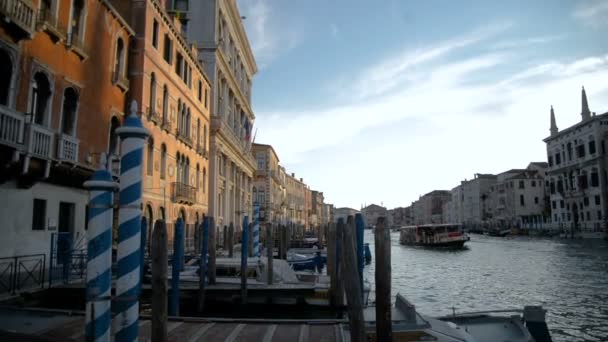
[169,83]
[62,72]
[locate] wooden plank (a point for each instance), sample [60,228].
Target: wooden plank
[235,333]
[286,332]
[218,332]
[303,335]
[64,330]
[145,330]
[184,331]
[322,332]
[269,333]
[200,332]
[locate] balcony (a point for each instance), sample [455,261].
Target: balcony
[154,116]
[183,137]
[48,22]
[21,14]
[39,141]
[76,43]
[166,125]
[119,79]
[11,127]
[200,149]
[183,193]
[67,148]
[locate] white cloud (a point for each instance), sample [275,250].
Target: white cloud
[268,38]
[592,12]
[333,29]
[509,44]
[409,139]
[391,73]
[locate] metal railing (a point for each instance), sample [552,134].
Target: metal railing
[67,148]
[183,193]
[22,272]
[40,141]
[20,12]
[11,126]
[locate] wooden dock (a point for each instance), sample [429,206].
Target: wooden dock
[62,325]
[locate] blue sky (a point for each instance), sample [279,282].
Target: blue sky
[384,101]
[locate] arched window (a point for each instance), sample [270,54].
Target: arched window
[163,161]
[205,137]
[198,132]
[69,108]
[165,103]
[120,59]
[150,221]
[161,213]
[178,168]
[188,123]
[76,25]
[187,171]
[204,180]
[182,214]
[152,94]
[41,93]
[6,76]
[113,141]
[150,157]
[200,91]
[198,176]
[179,115]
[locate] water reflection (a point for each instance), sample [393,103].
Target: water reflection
[569,278]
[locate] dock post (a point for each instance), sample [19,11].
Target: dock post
[351,281]
[126,304]
[99,255]
[225,238]
[256,231]
[231,240]
[212,251]
[269,252]
[178,254]
[331,264]
[339,264]
[244,245]
[159,282]
[360,225]
[203,263]
[142,250]
[382,239]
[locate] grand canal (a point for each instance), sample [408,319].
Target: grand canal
[569,278]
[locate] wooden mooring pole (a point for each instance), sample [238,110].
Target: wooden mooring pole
[331,263]
[159,282]
[212,250]
[352,285]
[382,240]
[269,252]
[231,240]
[244,255]
[203,263]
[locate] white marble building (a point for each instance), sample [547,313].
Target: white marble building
[577,179]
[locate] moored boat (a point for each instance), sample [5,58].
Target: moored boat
[434,235]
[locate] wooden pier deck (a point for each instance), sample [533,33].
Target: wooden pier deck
[61,325]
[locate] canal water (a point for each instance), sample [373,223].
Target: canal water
[569,278]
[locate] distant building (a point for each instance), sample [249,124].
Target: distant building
[398,217]
[429,208]
[577,178]
[472,203]
[267,184]
[517,199]
[318,208]
[371,214]
[343,213]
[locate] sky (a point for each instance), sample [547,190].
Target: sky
[384,101]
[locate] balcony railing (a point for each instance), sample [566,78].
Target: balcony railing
[67,148]
[154,116]
[39,141]
[202,151]
[76,43]
[183,193]
[166,125]
[11,127]
[21,13]
[48,22]
[184,137]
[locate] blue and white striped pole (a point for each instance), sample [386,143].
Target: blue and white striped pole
[126,303]
[99,255]
[256,231]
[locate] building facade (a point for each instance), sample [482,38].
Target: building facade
[216,28]
[62,68]
[318,206]
[268,189]
[170,85]
[576,174]
[371,214]
[296,193]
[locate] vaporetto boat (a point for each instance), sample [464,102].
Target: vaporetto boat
[434,235]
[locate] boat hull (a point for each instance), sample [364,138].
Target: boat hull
[447,245]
